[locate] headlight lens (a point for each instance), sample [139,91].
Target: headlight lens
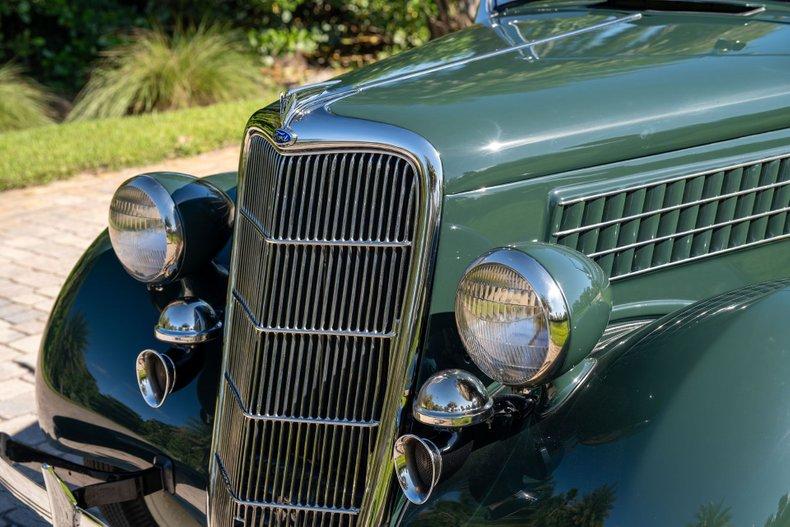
[512,317]
[145,230]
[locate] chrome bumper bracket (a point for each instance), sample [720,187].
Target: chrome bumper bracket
[64,511]
[65,507]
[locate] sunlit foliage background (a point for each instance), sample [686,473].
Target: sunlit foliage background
[58,41]
[71,70]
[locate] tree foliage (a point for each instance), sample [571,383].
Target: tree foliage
[59,40]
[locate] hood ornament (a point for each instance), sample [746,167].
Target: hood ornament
[298,102]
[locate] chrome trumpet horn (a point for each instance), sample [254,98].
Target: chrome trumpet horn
[418,467]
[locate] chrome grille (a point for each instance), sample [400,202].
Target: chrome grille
[640,228]
[324,256]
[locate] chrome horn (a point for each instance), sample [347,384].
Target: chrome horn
[418,466]
[160,374]
[453,409]
[156,376]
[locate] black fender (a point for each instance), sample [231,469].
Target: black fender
[87,393]
[686,420]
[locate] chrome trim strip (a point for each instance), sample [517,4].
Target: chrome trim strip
[286,419]
[688,232]
[619,330]
[486,13]
[318,243]
[637,186]
[25,490]
[273,505]
[701,256]
[308,331]
[702,201]
[755,11]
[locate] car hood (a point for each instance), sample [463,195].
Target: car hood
[547,92]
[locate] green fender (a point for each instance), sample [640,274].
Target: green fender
[685,423]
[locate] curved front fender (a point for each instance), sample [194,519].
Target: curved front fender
[86,386]
[687,420]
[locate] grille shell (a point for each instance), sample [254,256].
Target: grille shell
[324,274]
[644,227]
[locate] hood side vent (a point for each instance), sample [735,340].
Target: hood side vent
[636,229]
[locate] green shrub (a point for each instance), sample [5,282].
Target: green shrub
[23,103]
[156,72]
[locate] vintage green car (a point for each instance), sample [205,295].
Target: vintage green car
[534,273]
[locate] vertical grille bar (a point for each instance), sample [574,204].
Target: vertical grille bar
[324,252]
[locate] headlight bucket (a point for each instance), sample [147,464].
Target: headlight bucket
[527,314]
[165,225]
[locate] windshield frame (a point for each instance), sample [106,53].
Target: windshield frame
[491,8]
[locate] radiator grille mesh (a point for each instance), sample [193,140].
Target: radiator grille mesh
[323,255]
[642,228]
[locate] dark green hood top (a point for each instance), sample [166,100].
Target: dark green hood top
[545,91]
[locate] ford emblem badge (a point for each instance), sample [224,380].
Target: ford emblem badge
[284,137]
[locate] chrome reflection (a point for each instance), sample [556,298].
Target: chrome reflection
[418,466]
[156,376]
[161,373]
[453,399]
[560,391]
[64,511]
[146,229]
[188,321]
[525,348]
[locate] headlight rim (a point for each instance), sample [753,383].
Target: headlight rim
[174,228]
[552,300]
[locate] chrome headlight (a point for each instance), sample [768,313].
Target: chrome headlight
[513,316]
[146,230]
[152,218]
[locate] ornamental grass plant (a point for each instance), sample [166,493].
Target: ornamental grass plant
[156,71]
[23,102]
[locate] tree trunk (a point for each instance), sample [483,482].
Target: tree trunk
[452,15]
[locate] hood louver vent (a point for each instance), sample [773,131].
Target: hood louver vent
[637,229]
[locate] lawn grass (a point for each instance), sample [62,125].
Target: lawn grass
[38,155]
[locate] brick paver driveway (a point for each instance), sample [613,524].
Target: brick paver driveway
[43,231]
